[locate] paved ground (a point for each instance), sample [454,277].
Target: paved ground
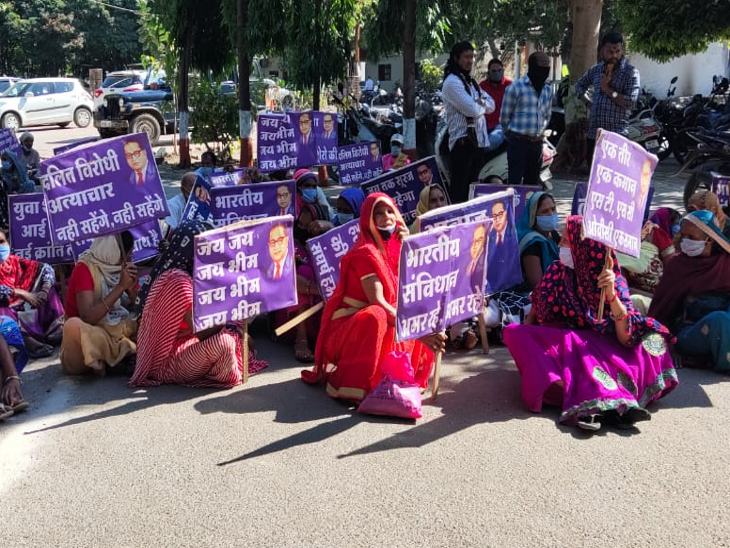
[277,463]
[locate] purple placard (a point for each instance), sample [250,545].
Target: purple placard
[77,143]
[147,238]
[617,192]
[522,194]
[102,188]
[404,185]
[327,251]
[276,143]
[243,270]
[227,178]
[721,187]
[30,233]
[504,270]
[359,163]
[9,141]
[578,205]
[441,277]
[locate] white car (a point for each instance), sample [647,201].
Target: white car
[122,80]
[46,101]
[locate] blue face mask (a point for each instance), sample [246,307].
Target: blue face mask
[394,150]
[676,229]
[309,195]
[343,218]
[547,223]
[4,252]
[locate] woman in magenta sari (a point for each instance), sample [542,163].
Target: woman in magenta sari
[598,369]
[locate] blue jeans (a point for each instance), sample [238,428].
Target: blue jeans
[708,337]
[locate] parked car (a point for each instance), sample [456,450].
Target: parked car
[6,82]
[151,111]
[46,101]
[122,80]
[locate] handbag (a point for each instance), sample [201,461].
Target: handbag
[392,398]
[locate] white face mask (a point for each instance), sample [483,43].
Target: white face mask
[566,257]
[692,248]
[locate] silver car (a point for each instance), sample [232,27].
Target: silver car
[46,101]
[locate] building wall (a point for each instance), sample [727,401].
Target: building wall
[694,71]
[395,64]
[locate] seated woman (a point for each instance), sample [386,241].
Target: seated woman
[99,331]
[431,197]
[348,205]
[693,297]
[11,397]
[539,238]
[358,322]
[309,190]
[28,295]
[708,201]
[312,221]
[598,369]
[168,352]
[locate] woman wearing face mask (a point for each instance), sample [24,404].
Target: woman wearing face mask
[396,159]
[312,221]
[358,322]
[349,204]
[598,369]
[694,294]
[431,197]
[539,237]
[99,332]
[28,295]
[706,200]
[308,191]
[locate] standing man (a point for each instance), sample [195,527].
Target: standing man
[525,115]
[495,85]
[615,86]
[465,104]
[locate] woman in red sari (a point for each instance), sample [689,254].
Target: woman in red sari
[358,323]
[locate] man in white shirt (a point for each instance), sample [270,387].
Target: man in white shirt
[465,104]
[177,204]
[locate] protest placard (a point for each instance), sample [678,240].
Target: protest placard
[296,139]
[221,206]
[327,251]
[77,143]
[721,187]
[359,162]
[404,185]
[503,258]
[618,191]
[147,238]
[226,178]
[522,194]
[9,141]
[30,232]
[441,279]
[102,188]
[578,206]
[243,270]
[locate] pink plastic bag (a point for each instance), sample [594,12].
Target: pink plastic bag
[397,366]
[393,398]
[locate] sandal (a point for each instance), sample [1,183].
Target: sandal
[470,340]
[590,423]
[42,351]
[5,411]
[21,406]
[302,353]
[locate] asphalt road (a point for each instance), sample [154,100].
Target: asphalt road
[278,463]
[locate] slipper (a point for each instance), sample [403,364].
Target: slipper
[589,423]
[302,353]
[21,406]
[43,351]
[5,412]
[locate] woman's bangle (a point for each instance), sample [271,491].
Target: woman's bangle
[11,378]
[612,299]
[620,317]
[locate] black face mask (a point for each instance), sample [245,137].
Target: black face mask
[385,234]
[301,234]
[538,76]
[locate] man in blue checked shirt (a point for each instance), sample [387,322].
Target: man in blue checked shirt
[525,115]
[615,89]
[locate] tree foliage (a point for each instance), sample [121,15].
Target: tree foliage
[668,29]
[51,37]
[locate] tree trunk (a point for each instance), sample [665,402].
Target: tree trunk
[317,87]
[182,96]
[409,79]
[244,91]
[586,18]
